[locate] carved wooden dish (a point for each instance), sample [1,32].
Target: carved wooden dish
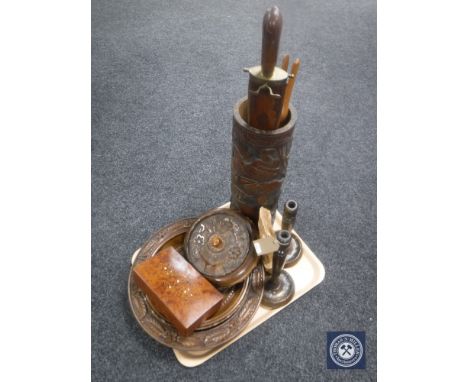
[238,307]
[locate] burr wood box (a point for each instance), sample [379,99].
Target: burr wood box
[176,290]
[259,162]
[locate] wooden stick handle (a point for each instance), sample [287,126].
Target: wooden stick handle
[285,62]
[289,87]
[272,25]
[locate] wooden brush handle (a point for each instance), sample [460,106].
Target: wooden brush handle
[272,24]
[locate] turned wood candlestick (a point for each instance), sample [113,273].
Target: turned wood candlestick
[294,250]
[279,287]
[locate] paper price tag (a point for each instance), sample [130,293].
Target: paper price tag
[265,246]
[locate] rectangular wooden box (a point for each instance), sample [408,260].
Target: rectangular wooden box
[307,274]
[177,290]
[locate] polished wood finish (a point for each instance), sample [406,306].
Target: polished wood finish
[289,88]
[267,83]
[173,235]
[215,334]
[285,62]
[214,331]
[272,25]
[177,290]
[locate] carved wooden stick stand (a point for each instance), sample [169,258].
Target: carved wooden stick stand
[259,162]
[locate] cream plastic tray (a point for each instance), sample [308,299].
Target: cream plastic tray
[307,273]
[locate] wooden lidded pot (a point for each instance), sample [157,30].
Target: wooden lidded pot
[219,246]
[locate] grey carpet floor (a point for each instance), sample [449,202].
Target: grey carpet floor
[165,76]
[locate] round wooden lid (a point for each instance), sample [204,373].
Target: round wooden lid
[219,246]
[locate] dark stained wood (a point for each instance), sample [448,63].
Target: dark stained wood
[272,25]
[215,330]
[219,245]
[267,83]
[259,162]
[265,102]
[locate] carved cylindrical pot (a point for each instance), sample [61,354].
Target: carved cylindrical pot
[259,162]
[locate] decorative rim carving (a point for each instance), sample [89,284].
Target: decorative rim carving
[159,329]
